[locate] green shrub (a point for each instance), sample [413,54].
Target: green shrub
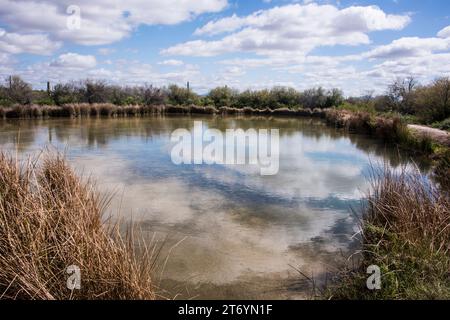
[357,107]
[443,125]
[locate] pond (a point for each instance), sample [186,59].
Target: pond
[226,231]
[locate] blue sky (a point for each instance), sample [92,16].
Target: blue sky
[354,45]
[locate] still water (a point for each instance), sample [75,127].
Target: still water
[225,231]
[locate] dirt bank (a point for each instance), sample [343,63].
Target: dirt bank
[439,136]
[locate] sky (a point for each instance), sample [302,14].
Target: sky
[357,45]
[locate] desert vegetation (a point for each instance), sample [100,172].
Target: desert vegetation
[15,91]
[404,98]
[49,220]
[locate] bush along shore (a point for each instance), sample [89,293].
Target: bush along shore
[405,223]
[395,130]
[405,232]
[427,104]
[51,227]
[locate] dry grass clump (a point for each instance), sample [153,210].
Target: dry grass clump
[406,232]
[78,110]
[356,121]
[410,206]
[50,220]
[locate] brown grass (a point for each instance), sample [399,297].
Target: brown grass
[111,110]
[406,232]
[411,206]
[50,220]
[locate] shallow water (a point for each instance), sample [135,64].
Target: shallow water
[226,231]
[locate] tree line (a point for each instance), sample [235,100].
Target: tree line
[16,91]
[429,103]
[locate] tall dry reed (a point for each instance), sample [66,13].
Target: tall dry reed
[406,233]
[50,220]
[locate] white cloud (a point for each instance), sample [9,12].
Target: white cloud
[102,21]
[409,47]
[288,61]
[291,28]
[366,19]
[423,67]
[220,26]
[74,61]
[72,66]
[444,33]
[14,43]
[171,62]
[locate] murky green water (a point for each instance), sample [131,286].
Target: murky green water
[228,232]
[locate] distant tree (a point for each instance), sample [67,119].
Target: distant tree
[152,95]
[223,96]
[119,95]
[285,97]
[181,96]
[245,99]
[313,98]
[64,93]
[334,98]
[401,95]
[368,96]
[97,91]
[15,90]
[442,93]
[433,101]
[382,103]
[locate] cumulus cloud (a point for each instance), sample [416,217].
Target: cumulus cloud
[291,28]
[14,43]
[74,61]
[424,67]
[102,21]
[409,47]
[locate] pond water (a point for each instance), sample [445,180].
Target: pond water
[225,231]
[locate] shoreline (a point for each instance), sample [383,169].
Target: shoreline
[111,110]
[361,122]
[420,140]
